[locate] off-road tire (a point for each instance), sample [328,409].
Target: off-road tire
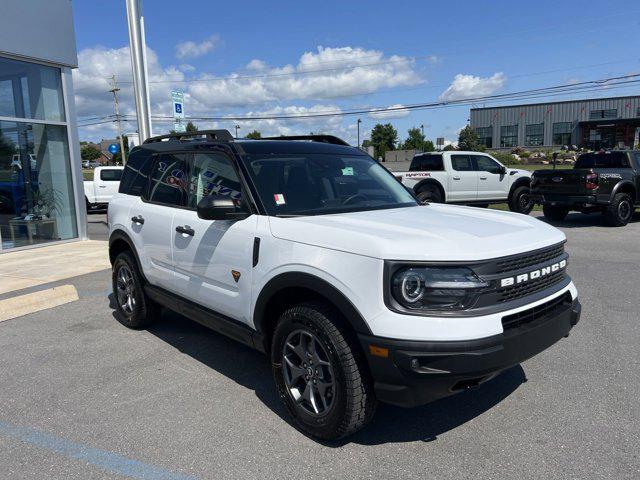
[429,194]
[620,211]
[520,201]
[145,310]
[353,398]
[555,213]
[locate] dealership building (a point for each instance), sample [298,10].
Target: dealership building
[592,123]
[41,191]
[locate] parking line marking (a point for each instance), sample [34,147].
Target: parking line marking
[37,301]
[101,458]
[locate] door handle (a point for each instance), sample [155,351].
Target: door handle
[139,220]
[102,186]
[456,178]
[187,230]
[483,178]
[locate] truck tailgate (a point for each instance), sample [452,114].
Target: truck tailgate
[562,182]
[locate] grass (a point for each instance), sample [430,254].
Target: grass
[539,167]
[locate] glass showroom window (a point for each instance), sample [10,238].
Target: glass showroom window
[509,136]
[562,133]
[36,191]
[485,136]
[534,135]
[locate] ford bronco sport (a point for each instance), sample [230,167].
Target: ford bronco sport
[308,250]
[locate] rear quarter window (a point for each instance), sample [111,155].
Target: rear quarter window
[136,172]
[111,175]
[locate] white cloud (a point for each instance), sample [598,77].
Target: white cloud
[192,49]
[344,71]
[397,112]
[469,86]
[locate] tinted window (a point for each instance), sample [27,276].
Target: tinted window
[168,180]
[486,164]
[111,175]
[212,173]
[461,163]
[427,163]
[136,171]
[603,160]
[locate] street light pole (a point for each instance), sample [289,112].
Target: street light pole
[422,128]
[359,122]
[139,67]
[237,127]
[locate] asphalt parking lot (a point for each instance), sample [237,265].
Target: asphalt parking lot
[83,397]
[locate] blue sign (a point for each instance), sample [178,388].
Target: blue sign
[113,148]
[178,107]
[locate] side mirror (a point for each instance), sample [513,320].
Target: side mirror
[503,170]
[220,207]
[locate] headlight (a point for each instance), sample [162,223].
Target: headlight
[436,288]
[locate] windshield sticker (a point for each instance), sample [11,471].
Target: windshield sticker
[279,198]
[347,171]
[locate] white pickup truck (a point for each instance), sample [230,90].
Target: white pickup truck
[470,178]
[99,191]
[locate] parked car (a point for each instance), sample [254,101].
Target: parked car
[16,162]
[604,182]
[99,191]
[89,164]
[468,178]
[309,250]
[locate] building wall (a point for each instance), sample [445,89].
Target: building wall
[550,113]
[40,30]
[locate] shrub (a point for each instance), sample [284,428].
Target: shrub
[505,158]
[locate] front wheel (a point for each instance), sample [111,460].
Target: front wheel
[320,373]
[620,211]
[555,213]
[520,201]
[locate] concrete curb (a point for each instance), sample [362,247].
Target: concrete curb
[37,301]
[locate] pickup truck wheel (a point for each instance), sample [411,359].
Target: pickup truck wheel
[555,213]
[620,211]
[133,308]
[520,201]
[429,194]
[320,374]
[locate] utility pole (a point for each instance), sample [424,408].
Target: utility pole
[114,90]
[358,123]
[237,127]
[139,67]
[422,128]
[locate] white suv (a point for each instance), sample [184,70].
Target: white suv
[308,250]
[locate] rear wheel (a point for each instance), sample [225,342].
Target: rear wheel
[429,194]
[555,213]
[320,373]
[620,211]
[520,201]
[134,309]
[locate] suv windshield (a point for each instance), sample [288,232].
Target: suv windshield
[316,184]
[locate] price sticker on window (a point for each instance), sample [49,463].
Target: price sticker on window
[279,198]
[347,171]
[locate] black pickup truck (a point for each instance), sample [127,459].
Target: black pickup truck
[606,182]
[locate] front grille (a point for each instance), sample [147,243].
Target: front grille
[529,259]
[536,313]
[513,292]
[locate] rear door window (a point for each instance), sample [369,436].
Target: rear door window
[461,163]
[168,183]
[212,174]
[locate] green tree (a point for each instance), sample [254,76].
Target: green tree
[191,128]
[383,139]
[449,147]
[417,141]
[89,152]
[469,140]
[255,135]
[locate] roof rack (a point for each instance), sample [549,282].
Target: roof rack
[210,136]
[313,138]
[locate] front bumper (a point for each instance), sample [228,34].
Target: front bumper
[417,372]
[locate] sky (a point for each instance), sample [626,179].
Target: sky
[257,58]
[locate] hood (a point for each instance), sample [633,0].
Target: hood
[425,233]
